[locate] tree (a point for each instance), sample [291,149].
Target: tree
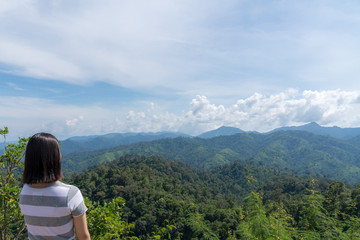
[105,222]
[255,225]
[11,220]
[314,219]
[165,232]
[199,229]
[280,222]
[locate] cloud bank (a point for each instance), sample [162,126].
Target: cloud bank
[257,112]
[248,46]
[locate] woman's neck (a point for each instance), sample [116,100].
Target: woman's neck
[43,184]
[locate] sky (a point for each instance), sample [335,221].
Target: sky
[86,67]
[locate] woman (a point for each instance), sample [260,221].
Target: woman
[51,209]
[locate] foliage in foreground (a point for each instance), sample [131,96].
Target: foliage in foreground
[105,220]
[11,220]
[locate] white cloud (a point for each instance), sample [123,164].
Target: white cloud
[258,112]
[125,43]
[74,122]
[14,86]
[26,116]
[266,47]
[203,110]
[29,61]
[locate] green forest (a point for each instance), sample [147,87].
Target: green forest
[300,151]
[155,196]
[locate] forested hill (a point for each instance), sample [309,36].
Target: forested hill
[90,143]
[175,201]
[300,151]
[336,132]
[96,142]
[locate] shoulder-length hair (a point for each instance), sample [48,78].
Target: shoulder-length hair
[42,159]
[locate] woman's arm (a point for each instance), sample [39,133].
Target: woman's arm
[81,229]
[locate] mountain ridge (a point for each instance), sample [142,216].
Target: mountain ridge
[95,142]
[297,150]
[313,127]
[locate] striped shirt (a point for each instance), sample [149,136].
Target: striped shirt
[48,211]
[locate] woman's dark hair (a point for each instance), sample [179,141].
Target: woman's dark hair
[42,159]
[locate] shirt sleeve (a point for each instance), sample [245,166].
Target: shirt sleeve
[76,202]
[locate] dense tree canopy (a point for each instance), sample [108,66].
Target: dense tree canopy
[235,201]
[303,152]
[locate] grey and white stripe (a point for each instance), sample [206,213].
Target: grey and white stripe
[49,211]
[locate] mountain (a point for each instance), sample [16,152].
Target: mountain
[313,127]
[336,132]
[307,153]
[95,142]
[300,151]
[197,152]
[222,131]
[355,140]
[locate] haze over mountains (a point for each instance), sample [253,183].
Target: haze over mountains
[336,132]
[335,154]
[95,142]
[88,143]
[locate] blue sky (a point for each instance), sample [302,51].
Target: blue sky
[76,67]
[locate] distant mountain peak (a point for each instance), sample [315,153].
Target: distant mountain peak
[227,128]
[221,131]
[312,124]
[315,128]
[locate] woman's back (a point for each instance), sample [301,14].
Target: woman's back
[49,210]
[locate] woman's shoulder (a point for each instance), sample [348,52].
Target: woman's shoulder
[72,187]
[57,189]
